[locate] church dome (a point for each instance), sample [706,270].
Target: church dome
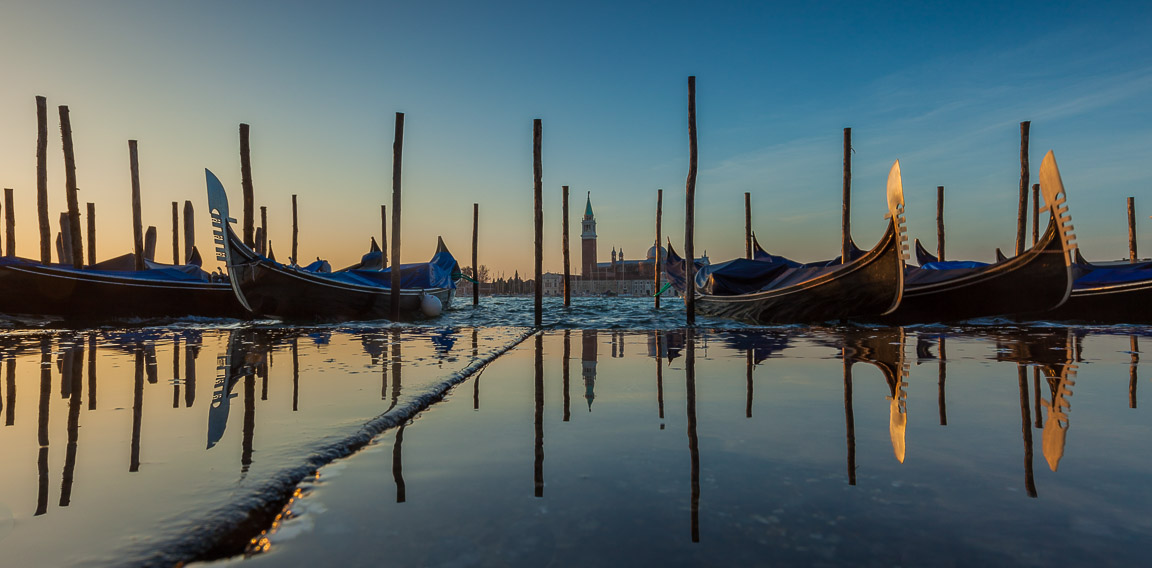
[652,252]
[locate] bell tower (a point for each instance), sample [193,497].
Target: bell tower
[588,241]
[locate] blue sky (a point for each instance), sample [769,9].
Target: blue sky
[941,88]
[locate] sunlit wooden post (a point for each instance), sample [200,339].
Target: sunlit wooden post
[397,155]
[748,225]
[690,208]
[538,220]
[189,230]
[296,234]
[137,222]
[264,229]
[659,257]
[846,220]
[65,252]
[940,222]
[1035,213]
[9,223]
[1132,229]
[76,244]
[475,254]
[1021,217]
[384,236]
[176,232]
[259,238]
[246,184]
[567,265]
[91,233]
[150,244]
[42,179]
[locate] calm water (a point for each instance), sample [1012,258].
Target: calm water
[613,437]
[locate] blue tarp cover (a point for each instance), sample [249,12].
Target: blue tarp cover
[437,273]
[116,267]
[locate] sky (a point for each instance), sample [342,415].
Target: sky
[942,88]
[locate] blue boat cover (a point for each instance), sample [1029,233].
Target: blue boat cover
[123,267]
[1094,276]
[440,272]
[952,264]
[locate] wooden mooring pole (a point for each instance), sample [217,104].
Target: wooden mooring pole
[690,208]
[1035,213]
[397,155]
[846,220]
[567,259]
[538,220]
[137,222]
[748,225]
[42,179]
[176,232]
[246,183]
[9,223]
[296,235]
[76,244]
[1132,229]
[91,233]
[150,244]
[65,252]
[384,236]
[1021,216]
[475,266]
[659,257]
[940,222]
[189,230]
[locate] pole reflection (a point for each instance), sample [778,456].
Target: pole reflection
[538,391]
[693,439]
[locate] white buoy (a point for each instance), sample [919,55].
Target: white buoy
[430,305]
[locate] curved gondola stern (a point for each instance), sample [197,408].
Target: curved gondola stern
[899,225]
[218,210]
[1056,201]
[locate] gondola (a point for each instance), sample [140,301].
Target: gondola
[775,290]
[113,289]
[288,292]
[1037,280]
[1111,292]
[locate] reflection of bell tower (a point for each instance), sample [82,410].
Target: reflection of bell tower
[588,364]
[588,243]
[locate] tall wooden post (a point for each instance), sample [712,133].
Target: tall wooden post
[137,230]
[940,222]
[846,221]
[259,238]
[264,229]
[1132,229]
[1035,213]
[475,266]
[150,243]
[91,234]
[659,257]
[748,225]
[384,236]
[42,179]
[296,234]
[567,265]
[66,252]
[176,232]
[76,243]
[189,230]
[538,219]
[246,183]
[9,223]
[397,155]
[1021,216]
[690,208]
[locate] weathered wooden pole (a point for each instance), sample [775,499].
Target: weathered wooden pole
[176,232]
[397,155]
[538,220]
[296,233]
[1132,229]
[264,230]
[659,257]
[137,230]
[60,246]
[1035,213]
[65,253]
[42,179]
[150,243]
[846,221]
[748,225]
[189,230]
[259,237]
[475,266]
[384,236]
[690,208]
[76,243]
[940,222]
[9,223]
[246,183]
[91,233]
[1021,216]
[567,266]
